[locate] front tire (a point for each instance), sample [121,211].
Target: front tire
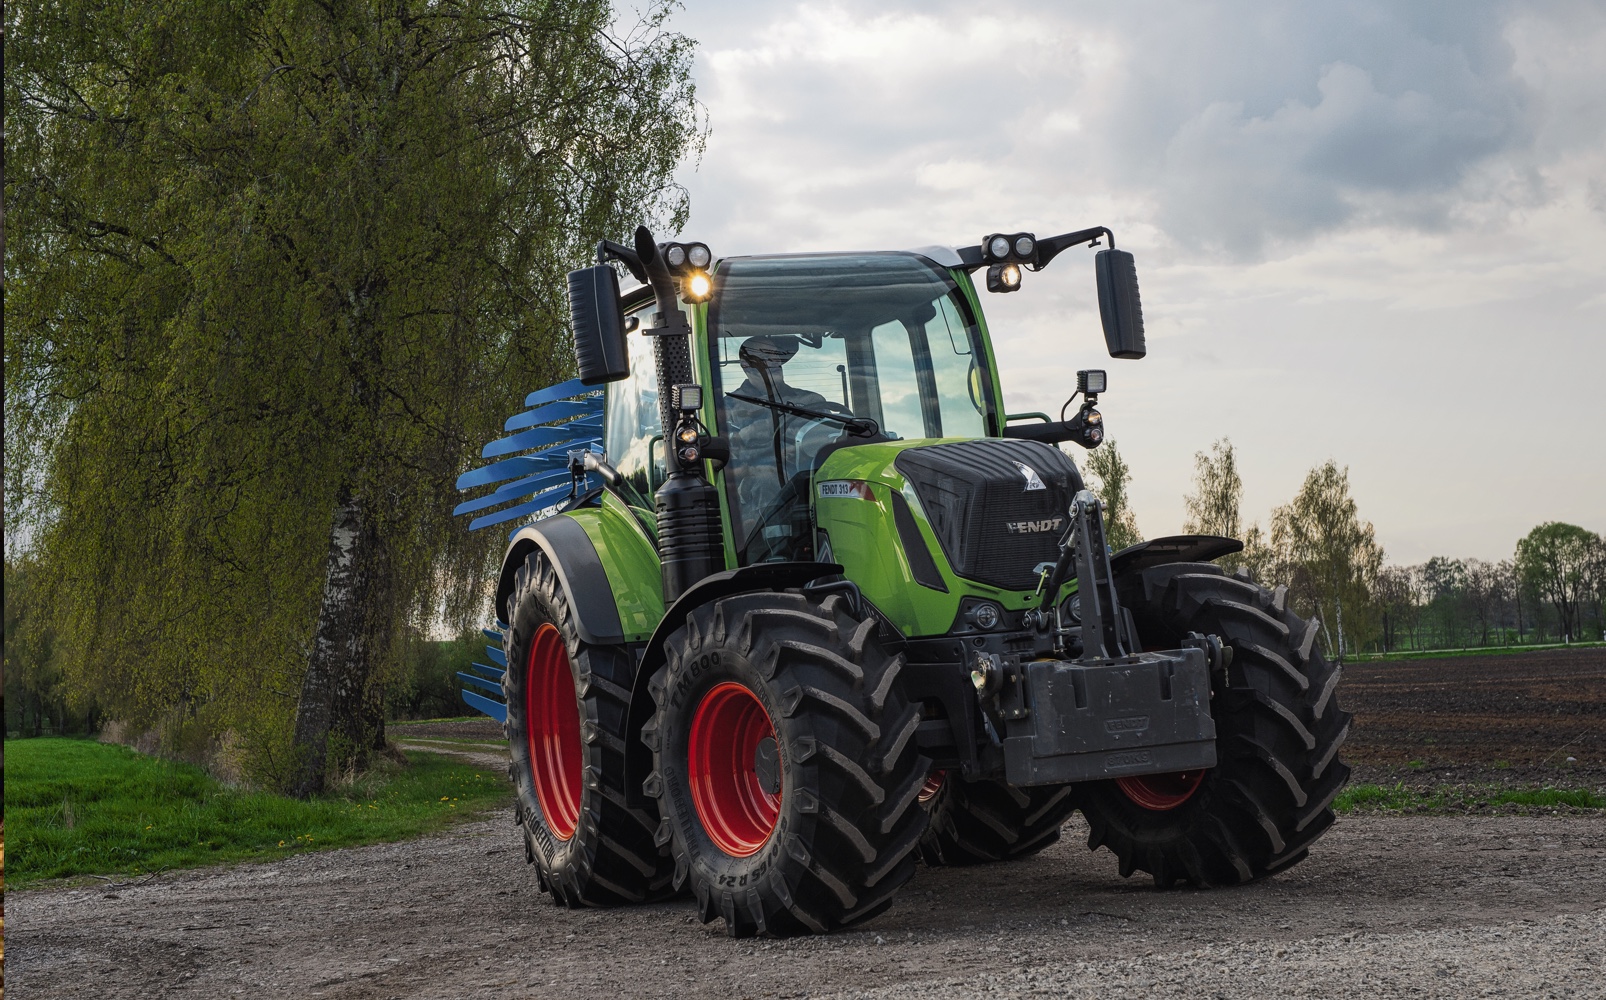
[567,705]
[976,822]
[785,764]
[1278,731]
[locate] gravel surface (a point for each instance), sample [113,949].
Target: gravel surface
[1387,905]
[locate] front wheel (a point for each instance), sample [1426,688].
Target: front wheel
[976,822]
[785,764]
[566,722]
[1278,731]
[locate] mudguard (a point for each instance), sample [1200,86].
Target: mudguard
[569,548]
[1170,549]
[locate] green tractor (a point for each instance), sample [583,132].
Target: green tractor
[791,603]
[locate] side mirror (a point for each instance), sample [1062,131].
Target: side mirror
[599,327]
[1119,306]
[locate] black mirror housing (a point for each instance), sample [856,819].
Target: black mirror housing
[1119,306]
[599,327]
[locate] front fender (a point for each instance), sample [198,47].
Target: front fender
[607,565]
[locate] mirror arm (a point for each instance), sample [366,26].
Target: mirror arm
[609,250]
[1050,248]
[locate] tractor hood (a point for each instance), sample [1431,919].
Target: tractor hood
[920,525]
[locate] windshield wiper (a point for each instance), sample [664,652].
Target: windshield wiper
[857,426]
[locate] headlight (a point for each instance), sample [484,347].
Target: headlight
[698,285]
[699,255]
[675,255]
[998,246]
[1024,245]
[986,616]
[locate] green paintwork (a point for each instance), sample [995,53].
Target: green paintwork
[634,573]
[865,542]
[863,537]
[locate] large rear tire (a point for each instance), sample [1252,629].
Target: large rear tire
[1278,731]
[785,764]
[567,706]
[975,822]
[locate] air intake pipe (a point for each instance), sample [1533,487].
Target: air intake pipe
[691,543]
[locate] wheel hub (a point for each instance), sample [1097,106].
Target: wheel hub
[552,728]
[734,762]
[1161,792]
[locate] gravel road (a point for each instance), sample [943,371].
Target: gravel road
[1386,906]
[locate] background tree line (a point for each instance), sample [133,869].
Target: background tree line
[275,271]
[1552,589]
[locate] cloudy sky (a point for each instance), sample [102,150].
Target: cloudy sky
[1367,231]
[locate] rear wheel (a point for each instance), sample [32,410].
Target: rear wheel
[567,703]
[974,822]
[1278,731]
[785,764]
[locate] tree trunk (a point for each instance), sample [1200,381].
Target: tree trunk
[1338,605]
[337,666]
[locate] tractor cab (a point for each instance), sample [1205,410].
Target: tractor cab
[862,348]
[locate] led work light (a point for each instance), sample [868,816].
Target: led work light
[1003,278]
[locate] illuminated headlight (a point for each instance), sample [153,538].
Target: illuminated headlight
[697,287]
[1003,278]
[1024,245]
[675,255]
[698,255]
[998,247]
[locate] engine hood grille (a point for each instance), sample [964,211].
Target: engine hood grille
[998,506]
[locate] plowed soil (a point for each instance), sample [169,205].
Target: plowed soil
[1512,719]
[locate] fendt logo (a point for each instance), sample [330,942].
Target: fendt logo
[1033,527]
[1033,482]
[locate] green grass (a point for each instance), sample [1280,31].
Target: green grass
[77,808]
[1443,654]
[1358,798]
[431,722]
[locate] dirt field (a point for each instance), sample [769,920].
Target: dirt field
[1509,720]
[1387,905]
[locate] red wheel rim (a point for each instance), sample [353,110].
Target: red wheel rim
[1159,792]
[933,785]
[726,730]
[553,729]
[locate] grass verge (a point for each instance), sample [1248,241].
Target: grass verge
[1457,799]
[78,808]
[1447,654]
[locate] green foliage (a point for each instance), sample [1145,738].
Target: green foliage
[264,258]
[426,685]
[34,700]
[1108,477]
[1330,556]
[74,807]
[1218,492]
[1565,565]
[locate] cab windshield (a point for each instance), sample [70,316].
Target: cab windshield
[883,337]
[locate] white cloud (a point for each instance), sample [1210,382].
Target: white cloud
[1361,226]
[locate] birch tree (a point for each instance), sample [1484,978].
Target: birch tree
[1109,477]
[1332,554]
[276,270]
